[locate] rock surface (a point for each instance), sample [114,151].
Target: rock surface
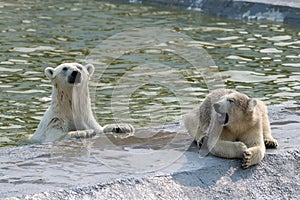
[163,166]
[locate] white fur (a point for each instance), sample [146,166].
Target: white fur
[70,113]
[244,133]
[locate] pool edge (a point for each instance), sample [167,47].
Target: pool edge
[286,12]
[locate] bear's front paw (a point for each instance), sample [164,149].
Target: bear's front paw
[242,146]
[81,134]
[119,128]
[271,143]
[247,158]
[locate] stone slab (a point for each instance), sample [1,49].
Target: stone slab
[167,166]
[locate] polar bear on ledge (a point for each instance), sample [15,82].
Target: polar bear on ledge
[70,113]
[232,125]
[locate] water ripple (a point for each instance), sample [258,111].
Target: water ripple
[260,59]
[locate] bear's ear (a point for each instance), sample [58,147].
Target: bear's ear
[49,72]
[251,104]
[90,68]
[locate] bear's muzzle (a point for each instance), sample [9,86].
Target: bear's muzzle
[74,77]
[223,117]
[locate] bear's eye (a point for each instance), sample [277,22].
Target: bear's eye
[64,68]
[231,101]
[79,67]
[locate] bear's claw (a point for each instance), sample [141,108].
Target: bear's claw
[271,144]
[246,159]
[81,134]
[201,141]
[118,128]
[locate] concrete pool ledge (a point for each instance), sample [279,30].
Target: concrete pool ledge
[69,170]
[274,10]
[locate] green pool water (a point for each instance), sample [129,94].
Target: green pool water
[260,59]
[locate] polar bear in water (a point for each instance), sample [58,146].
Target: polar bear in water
[70,113]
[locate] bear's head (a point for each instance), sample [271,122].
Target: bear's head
[234,107]
[70,74]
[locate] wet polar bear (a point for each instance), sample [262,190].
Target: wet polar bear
[70,113]
[232,125]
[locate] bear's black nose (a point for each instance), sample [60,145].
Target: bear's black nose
[74,74]
[75,77]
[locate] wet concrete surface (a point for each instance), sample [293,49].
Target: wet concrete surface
[274,10]
[156,163]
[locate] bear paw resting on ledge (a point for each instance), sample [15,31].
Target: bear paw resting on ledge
[70,114]
[232,125]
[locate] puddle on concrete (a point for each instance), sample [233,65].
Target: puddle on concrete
[75,162]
